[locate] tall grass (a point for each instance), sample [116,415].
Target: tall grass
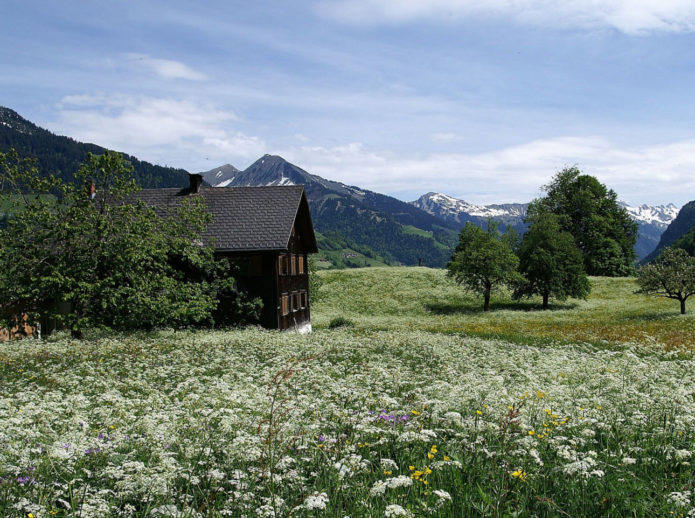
[402,414]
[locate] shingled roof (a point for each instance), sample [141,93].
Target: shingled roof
[246,218]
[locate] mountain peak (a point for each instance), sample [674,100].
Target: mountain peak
[220,176]
[15,121]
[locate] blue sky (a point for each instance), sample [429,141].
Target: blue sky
[483,101]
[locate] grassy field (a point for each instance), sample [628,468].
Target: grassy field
[425,299]
[424,406]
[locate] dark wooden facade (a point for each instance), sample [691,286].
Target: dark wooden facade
[281,281]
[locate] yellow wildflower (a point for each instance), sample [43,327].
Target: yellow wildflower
[520,475]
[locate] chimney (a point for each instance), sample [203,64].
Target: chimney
[195,181]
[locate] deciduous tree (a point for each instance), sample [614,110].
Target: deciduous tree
[550,262]
[88,258]
[483,261]
[671,275]
[602,230]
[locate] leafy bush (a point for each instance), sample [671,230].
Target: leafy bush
[340,322]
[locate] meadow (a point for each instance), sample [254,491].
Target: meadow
[419,405]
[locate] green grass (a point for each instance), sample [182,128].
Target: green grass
[425,299]
[410,229]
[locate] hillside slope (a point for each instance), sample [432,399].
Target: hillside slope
[679,227]
[62,156]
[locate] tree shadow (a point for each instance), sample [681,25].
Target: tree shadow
[653,316]
[470,308]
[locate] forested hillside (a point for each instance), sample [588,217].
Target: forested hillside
[62,156]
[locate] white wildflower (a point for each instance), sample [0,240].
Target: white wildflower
[316,501]
[396,510]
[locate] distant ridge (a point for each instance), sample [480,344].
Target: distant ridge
[62,156]
[652,220]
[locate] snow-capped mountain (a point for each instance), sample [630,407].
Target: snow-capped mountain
[659,215]
[652,220]
[453,209]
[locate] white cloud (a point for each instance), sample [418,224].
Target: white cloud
[160,130]
[653,174]
[629,16]
[166,68]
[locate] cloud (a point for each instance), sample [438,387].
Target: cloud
[651,174]
[166,68]
[629,16]
[160,130]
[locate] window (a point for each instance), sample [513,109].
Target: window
[300,268]
[285,304]
[303,299]
[295,302]
[293,264]
[282,265]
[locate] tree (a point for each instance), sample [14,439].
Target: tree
[550,262]
[602,230]
[483,261]
[671,275]
[103,260]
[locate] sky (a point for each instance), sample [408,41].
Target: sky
[483,101]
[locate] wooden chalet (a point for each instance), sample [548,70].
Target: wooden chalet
[268,232]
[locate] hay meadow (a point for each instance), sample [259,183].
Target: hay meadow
[417,404]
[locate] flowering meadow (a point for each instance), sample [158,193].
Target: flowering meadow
[362,420]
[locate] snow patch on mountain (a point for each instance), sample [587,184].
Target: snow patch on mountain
[660,215]
[442,205]
[439,204]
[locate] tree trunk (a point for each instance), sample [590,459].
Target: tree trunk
[682,306]
[486,305]
[545,301]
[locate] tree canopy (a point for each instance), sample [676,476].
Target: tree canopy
[103,260]
[550,262]
[483,261]
[602,230]
[671,275]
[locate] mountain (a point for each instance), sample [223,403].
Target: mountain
[458,212]
[652,220]
[652,214]
[62,156]
[391,230]
[220,176]
[679,227]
